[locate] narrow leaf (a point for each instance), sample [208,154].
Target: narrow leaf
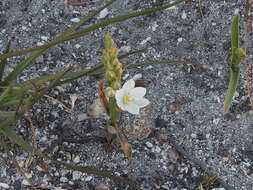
[233,81]
[238,54]
[234,36]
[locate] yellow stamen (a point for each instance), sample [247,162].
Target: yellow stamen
[127,99]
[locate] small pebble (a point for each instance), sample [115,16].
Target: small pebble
[145,41]
[154,26]
[25,182]
[63,179]
[73,98]
[125,49]
[75,20]
[24,28]
[28,175]
[71,183]
[45,38]
[184,16]
[89,178]
[216,121]
[103,13]
[77,46]
[76,159]
[180,39]
[56,174]
[125,76]
[137,76]
[236,11]
[40,43]
[157,149]
[4,185]
[39,168]
[165,187]
[76,12]
[76,175]
[236,94]
[102,187]
[82,117]
[149,145]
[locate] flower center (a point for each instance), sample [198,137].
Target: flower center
[127,98]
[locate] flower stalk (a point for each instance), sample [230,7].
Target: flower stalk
[113,74]
[115,98]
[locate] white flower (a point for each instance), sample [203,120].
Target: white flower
[131,99]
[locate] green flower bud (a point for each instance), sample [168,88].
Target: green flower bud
[110,75]
[113,68]
[116,84]
[110,92]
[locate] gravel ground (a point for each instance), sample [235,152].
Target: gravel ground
[186,100]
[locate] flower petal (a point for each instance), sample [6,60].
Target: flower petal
[119,98]
[142,102]
[138,93]
[132,108]
[128,85]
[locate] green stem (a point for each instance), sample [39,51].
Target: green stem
[113,113]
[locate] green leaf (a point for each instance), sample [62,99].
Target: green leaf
[238,54]
[235,35]
[233,81]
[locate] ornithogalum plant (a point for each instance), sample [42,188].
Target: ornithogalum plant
[115,98]
[18,98]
